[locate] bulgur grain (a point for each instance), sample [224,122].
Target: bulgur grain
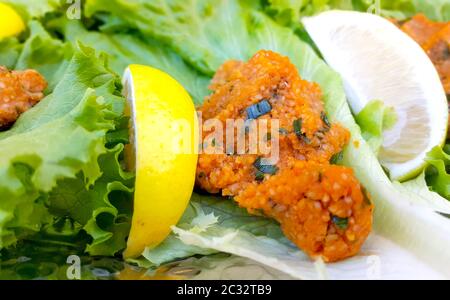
[307,192]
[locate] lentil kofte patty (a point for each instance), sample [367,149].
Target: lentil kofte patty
[321,207]
[19,91]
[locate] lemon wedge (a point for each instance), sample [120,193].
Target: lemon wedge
[163,153]
[376,60]
[11,23]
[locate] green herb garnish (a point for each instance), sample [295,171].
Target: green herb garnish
[264,169]
[259,176]
[298,127]
[341,223]
[336,158]
[297,124]
[324,118]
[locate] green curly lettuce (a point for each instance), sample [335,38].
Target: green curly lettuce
[34,9]
[35,54]
[125,49]
[151,18]
[437,174]
[63,154]
[210,214]
[373,120]
[289,13]
[10,49]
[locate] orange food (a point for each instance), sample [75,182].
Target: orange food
[321,207]
[306,198]
[19,91]
[434,38]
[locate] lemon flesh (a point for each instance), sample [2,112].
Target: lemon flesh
[11,23]
[163,154]
[376,60]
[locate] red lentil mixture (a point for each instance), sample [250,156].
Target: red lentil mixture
[321,207]
[19,91]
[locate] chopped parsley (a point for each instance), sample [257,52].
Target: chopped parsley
[263,169]
[341,223]
[297,124]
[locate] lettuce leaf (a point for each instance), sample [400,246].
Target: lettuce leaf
[228,267]
[419,192]
[373,120]
[420,235]
[10,49]
[202,209]
[65,146]
[104,210]
[260,239]
[394,262]
[44,257]
[125,49]
[100,204]
[35,54]
[437,174]
[151,18]
[285,12]
[288,13]
[438,10]
[34,9]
